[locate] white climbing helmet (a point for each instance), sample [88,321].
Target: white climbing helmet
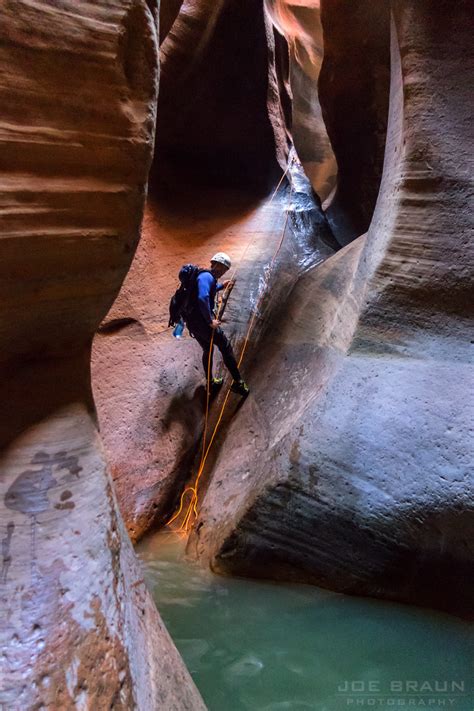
[222,258]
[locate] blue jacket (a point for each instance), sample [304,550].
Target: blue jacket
[206,293]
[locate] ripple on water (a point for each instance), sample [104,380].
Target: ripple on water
[248,666]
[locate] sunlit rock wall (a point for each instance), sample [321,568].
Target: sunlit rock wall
[352,467]
[78,628]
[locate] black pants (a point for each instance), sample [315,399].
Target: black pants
[203,333]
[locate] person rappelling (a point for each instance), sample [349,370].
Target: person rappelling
[193,304]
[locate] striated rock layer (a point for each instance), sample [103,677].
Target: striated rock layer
[353,466]
[78,628]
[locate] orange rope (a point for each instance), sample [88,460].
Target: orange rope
[208,392]
[192,506]
[193,503]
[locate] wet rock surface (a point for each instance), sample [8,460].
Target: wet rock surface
[352,467]
[150,387]
[78,628]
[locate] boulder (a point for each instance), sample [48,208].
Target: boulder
[78,628]
[351,468]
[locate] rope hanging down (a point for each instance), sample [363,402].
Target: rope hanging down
[191,511]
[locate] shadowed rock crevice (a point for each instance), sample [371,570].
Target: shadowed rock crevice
[300,24]
[221,55]
[354,93]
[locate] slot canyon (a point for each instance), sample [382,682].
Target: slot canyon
[327,147]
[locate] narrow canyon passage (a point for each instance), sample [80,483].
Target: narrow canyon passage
[150,388]
[326,146]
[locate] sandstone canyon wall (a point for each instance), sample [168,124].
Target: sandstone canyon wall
[220,116]
[352,467]
[299,21]
[78,628]
[221,140]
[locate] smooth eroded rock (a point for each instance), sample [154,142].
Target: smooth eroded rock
[78,628]
[299,21]
[352,466]
[150,388]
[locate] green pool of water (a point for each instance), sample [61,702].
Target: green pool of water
[266,647]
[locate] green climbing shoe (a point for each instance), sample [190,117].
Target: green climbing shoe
[240,387]
[216,382]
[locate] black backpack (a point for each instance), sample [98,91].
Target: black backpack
[182,300]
